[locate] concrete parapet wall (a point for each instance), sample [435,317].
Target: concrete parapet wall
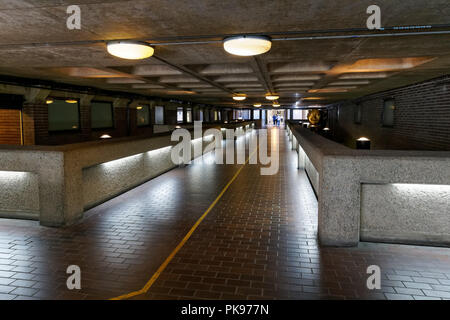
[19,195]
[405,213]
[55,184]
[346,175]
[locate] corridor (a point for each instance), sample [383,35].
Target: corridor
[258,241]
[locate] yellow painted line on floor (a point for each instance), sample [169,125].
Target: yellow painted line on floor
[185,239]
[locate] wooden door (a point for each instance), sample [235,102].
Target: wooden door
[10,126]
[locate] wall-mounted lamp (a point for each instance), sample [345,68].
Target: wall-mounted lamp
[363,143]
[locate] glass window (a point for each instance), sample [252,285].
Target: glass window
[188,115]
[180,114]
[216,116]
[388,113]
[256,114]
[297,114]
[159,115]
[143,115]
[63,115]
[101,115]
[201,115]
[246,114]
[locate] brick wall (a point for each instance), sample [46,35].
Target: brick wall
[39,112]
[28,124]
[35,120]
[120,125]
[421,118]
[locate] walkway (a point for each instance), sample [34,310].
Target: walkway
[257,242]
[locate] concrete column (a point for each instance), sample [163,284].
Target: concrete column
[85,115]
[35,116]
[170,114]
[28,129]
[120,116]
[339,205]
[195,113]
[52,193]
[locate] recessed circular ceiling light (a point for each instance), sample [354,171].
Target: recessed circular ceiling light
[71,101]
[272,97]
[239,97]
[247,45]
[257,105]
[49,101]
[276,105]
[132,50]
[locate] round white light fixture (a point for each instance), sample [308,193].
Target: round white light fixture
[247,45]
[272,97]
[276,105]
[239,97]
[132,50]
[257,105]
[105,136]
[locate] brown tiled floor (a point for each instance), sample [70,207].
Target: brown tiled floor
[258,242]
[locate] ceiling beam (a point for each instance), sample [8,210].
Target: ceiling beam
[193,74]
[261,71]
[326,34]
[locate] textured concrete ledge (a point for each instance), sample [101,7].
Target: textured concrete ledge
[64,180]
[342,172]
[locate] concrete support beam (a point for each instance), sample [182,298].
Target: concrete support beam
[34,115]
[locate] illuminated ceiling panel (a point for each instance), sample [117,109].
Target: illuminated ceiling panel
[377,65]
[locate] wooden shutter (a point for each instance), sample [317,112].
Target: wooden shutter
[10,127]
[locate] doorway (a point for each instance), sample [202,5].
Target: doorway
[279,115]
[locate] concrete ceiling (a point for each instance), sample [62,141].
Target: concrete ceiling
[35,43]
